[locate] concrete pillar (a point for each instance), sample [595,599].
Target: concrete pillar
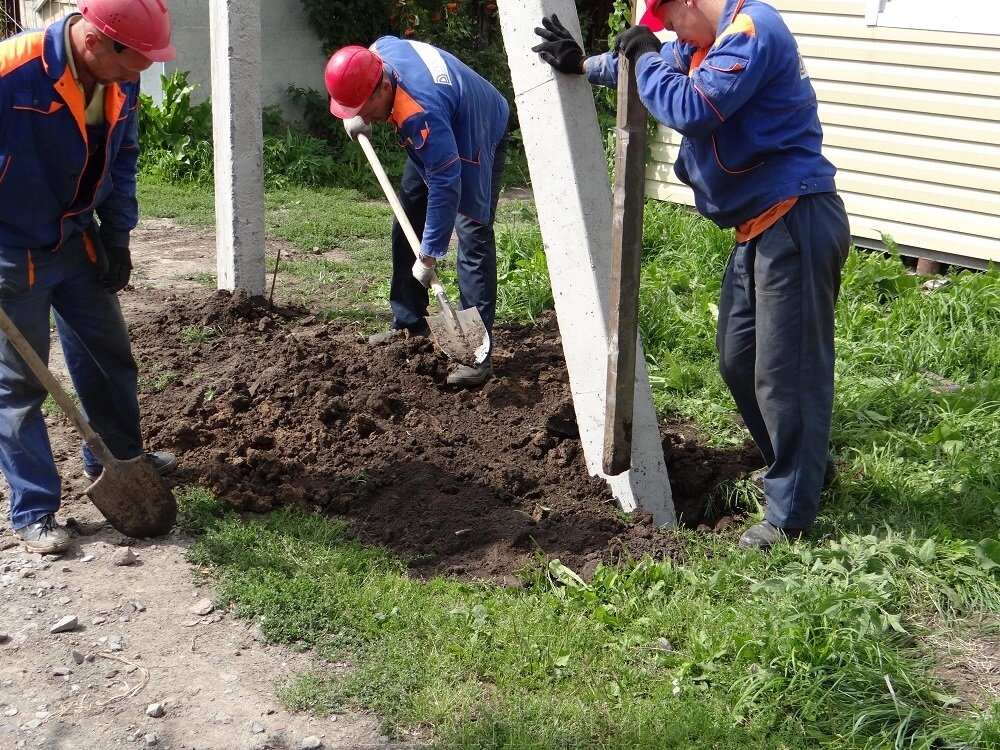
[239,144]
[572,191]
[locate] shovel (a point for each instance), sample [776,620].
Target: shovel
[130,494]
[461,334]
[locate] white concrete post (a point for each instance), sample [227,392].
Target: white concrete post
[573,198]
[239,155]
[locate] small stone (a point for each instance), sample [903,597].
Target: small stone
[4,637]
[64,625]
[78,657]
[257,728]
[664,644]
[61,671]
[203,607]
[99,620]
[155,710]
[86,558]
[27,573]
[151,739]
[124,557]
[114,642]
[10,711]
[223,718]
[128,608]
[312,743]
[33,724]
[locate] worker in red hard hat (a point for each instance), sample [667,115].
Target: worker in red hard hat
[733,84]
[453,124]
[69,96]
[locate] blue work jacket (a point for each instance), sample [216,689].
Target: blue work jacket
[747,111]
[44,148]
[450,121]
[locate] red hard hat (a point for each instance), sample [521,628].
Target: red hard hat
[649,18]
[351,76]
[142,25]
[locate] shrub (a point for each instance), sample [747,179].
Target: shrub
[175,136]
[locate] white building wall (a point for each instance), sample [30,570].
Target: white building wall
[291,54]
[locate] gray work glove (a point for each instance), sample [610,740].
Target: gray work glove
[423,269]
[356,126]
[560,49]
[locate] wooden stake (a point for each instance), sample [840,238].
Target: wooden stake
[626,254]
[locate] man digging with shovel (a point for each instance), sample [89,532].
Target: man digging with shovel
[68,147]
[453,125]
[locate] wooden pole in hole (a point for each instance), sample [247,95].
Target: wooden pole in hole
[626,254]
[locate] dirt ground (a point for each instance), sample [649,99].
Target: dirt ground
[272,406]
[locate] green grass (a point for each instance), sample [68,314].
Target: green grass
[808,647]
[823,644]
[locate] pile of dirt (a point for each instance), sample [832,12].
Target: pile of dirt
[275,407]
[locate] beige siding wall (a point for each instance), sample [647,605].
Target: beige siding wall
[912,122]
[46,13]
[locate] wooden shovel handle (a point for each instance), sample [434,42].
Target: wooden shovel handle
[397,209]
[53,386]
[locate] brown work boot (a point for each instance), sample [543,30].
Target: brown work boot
[398,334]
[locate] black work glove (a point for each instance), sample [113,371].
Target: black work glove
[560,49]
[636,41]
[119,269]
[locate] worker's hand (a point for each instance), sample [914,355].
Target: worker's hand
[636,41]
[423,269]
[560,49]
[119,269]
[356,126]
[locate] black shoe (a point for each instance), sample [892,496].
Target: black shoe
[765,535]
[163,461]
[397,334]
[466,377]
[44,536]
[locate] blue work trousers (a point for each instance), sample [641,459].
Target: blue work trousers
[477,253]
[776,348]
[98,356]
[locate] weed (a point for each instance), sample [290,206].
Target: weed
[198,334]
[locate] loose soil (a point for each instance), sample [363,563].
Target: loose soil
[276,407]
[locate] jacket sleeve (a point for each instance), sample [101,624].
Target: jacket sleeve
[602,70]
[119,212]
[432,142]
[694,105]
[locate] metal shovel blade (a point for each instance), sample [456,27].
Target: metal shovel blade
[461,334]
[134,498]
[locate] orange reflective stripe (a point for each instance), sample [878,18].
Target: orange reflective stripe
[88,245]
[742,24]
[71,94]
[759,224]
[31,271]
[697,58]
[114,102]
[403,108]
[20,50]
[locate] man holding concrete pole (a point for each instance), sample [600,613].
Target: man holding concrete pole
[733,84]
[453,125]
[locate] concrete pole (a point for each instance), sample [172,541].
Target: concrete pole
[573,197]
[239,149]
